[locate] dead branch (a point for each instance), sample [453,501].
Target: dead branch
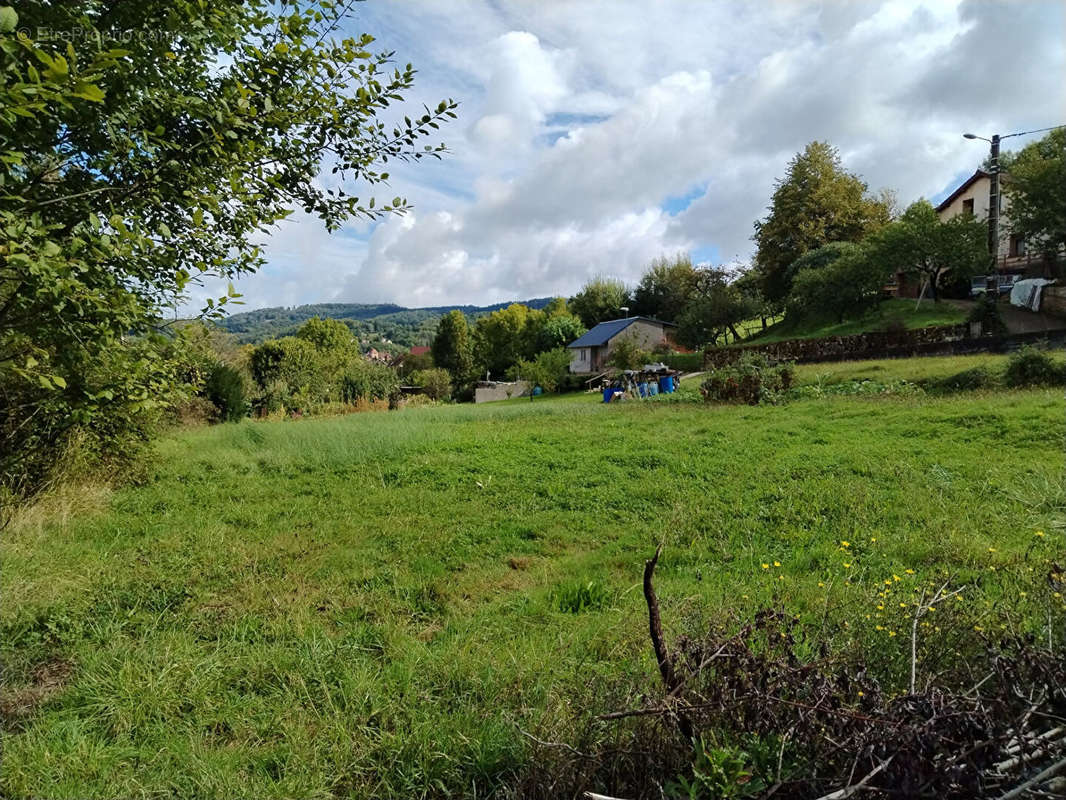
[658,643]
[848,791]
[1050,772]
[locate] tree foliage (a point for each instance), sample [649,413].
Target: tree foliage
[320,365]
[453,347]
[546,370]
[506,336]
[716,307]
[625,353]
[153,150]
[599,299]
[558,331]
[436,383]
[816,203]
[1036,187]
[918,242]
[665,288]
[838,281]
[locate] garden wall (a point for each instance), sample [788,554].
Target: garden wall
[1053,300]
[942,340]
[881,344]
[486,392]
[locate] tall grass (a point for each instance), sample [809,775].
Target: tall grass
[375,605]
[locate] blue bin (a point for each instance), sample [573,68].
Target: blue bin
[667,382]
[608,393]
[653,388]
[643,389]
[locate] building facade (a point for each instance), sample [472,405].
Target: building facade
[589,353]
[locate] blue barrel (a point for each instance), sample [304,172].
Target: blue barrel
[643,389]
[608,393]
[653,388]
[537,391]
[668,380]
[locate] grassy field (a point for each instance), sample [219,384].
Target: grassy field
[373,606]
[888,312]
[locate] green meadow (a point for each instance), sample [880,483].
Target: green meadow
[385,604]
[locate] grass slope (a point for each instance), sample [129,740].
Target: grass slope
[370,606]
[887,312]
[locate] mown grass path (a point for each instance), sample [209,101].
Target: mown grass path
[369,606]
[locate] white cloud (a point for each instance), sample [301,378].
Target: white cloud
[579,120]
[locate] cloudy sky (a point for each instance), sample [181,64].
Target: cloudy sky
[594,136]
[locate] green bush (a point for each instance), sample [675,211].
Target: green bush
[366,380]
[436,383]
[752,380]
[987,313]
[1032,367]
[225,388]
[966,381]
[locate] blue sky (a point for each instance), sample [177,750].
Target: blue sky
[595,135]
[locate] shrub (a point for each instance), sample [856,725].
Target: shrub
[225,388]
[368,380]
[436,383]
[1032,367]
[987,313]
[627,354]
[966,381]
[752,379]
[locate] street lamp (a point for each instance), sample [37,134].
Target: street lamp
[993,191]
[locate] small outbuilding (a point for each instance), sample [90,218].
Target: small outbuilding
[588,353]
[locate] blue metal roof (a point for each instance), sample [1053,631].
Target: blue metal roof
[606,331]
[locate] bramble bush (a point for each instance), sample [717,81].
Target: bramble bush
[752,380]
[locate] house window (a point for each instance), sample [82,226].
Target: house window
[1017,244]
[967,206]
[584,355]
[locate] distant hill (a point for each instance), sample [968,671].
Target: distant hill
[371,322]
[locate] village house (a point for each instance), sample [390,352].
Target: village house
[1014,255]
[589,352]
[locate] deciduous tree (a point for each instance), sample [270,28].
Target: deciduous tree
[817,202]
[151,150]
[666,288]
[1036,186]
[918,242]
[453,348]
[599,299]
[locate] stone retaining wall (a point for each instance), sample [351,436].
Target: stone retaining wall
[886,344]
[1053,300]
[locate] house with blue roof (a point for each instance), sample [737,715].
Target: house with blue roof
[588,353]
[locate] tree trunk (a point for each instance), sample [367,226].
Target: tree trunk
[733,330]
[932,287]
